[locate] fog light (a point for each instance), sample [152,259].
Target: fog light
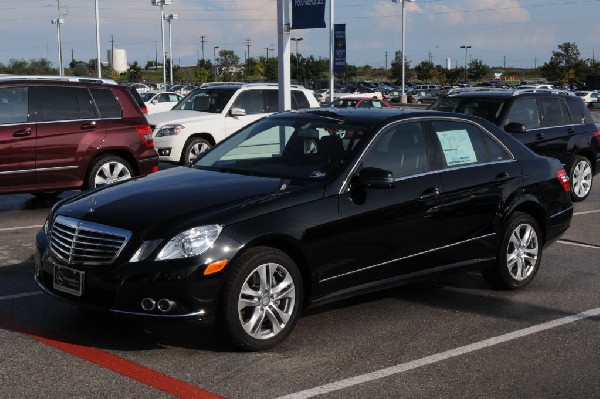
[165,305]
[165,152]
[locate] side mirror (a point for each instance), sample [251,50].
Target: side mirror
[237,112]
[154,102]
[375,178]
[515,127]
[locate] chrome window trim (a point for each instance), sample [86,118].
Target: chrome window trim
[346,182]
[405,257]
[69,120]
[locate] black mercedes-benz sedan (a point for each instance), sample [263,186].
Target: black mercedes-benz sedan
[302,208]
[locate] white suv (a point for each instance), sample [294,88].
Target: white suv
[208,115]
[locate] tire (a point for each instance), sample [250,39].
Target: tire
[108,169]
[519,255]
[581,178]
[192,150]
[257,315]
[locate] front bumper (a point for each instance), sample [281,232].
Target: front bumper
[121,287]
[169,150]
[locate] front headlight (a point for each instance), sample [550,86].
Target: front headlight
[169,130]
[192,242]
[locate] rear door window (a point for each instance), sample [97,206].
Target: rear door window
[107,103]
[461,144]
[577,111]
[553,112]
[56,103]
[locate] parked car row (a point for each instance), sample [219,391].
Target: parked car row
[288,210]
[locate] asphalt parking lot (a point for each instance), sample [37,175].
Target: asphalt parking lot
[453,337]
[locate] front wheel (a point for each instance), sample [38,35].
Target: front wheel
[262,299]
[519,254]
[108,169]
[581,178]
[193,149]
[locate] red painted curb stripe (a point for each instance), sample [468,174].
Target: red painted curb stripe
[145,375]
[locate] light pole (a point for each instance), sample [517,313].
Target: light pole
[403,96]
[269,49]
[215,59]
[297,62]
[58,22]
[169,18]
[466,69]
[162,3]
[98,65]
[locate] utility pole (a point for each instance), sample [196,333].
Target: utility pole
[430,56]
[202,41]
[248,56]
[112,52]
[504,62]
[535,63]
[59,21]
[386,55]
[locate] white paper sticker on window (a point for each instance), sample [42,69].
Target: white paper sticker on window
[457,147]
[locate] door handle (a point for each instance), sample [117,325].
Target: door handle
[502,177]
[539,136]
[570,130]
[429,193]
[88,126]
[22,133]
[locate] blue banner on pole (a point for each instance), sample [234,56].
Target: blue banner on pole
[307,14]
[339,51]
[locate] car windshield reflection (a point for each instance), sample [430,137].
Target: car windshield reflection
[312,149]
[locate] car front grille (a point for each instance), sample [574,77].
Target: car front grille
[79,242]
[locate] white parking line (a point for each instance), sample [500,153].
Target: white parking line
[376,375]
[23,295]
[578,244]
[20,228]
[585,212]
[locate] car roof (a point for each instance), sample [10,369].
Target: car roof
[56,79]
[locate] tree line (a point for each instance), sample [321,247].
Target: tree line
[565,66]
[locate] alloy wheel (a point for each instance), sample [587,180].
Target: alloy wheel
[111,172]
[522,252]
[582,179]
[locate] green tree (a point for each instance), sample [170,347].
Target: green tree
[424,70]
[478,70]
[565,65]
[227,63]
[396,67]
[135,72]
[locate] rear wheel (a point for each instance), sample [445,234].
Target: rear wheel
[581,178]
[108,169]
[262,299]
[519,255]
[193,149]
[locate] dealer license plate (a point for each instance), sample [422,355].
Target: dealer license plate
[68,280]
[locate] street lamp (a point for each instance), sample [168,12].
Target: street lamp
[403,97]
[169,18]
[269,49]
[98,65]
[297,62]
[466,69]
[162,3]
[215,59]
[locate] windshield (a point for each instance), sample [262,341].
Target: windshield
[292,148]
[211,100]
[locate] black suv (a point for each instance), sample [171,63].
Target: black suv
[550,124]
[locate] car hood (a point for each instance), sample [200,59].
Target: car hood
[183,197]
[180,116]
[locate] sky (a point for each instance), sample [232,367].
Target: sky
[511,33]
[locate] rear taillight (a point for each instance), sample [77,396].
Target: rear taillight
[564,180]
[146,132]
[597,134]
[144,109]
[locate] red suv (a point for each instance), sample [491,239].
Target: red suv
[59,133]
